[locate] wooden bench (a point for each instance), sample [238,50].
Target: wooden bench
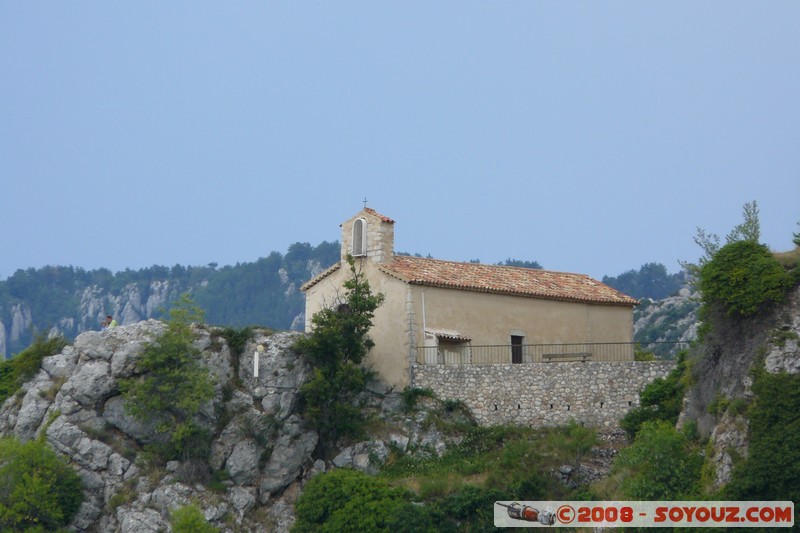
[567,357]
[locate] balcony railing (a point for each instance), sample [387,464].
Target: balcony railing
[466,354]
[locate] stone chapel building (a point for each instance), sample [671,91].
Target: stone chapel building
[449,313]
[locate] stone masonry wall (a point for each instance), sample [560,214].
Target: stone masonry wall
[595,393]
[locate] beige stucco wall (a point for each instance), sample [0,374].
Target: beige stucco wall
[489,319]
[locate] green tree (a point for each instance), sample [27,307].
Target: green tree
[37,488]
[171,385]
[659,465]
[743,277]
[336,346]
[749,230]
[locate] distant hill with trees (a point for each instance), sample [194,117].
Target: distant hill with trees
[68,300]
[651,281]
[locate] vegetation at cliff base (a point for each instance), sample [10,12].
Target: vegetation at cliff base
[451,493]
[39,492]
[772,468]
[345,500]
[660,400]
[661,464]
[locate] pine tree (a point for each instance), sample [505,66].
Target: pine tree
[336,346]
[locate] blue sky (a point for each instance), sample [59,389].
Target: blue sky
[591,137]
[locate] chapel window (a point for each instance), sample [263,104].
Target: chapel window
[359,246]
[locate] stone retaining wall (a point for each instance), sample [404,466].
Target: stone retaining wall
[595,393]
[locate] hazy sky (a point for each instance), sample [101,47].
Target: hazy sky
[591,137]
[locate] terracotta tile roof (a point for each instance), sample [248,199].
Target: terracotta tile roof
[382,217]
[504,280]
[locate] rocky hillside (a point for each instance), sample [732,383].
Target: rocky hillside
[672,319]
[259,439]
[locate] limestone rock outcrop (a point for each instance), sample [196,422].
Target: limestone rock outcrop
[260,440]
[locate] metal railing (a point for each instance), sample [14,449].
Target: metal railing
[466,354]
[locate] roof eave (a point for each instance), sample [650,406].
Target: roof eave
[321,276]
[595,301]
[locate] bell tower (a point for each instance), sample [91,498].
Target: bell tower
[368,234]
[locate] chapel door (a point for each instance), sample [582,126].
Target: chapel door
[516,348]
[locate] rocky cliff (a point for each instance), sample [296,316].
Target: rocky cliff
[260,441]
[722,369]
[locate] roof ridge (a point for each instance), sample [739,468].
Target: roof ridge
[469,263]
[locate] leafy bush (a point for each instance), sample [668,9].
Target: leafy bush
[348,500]
[412,395]
[237,338]
[518,471]
[662,399]
[16,371]
[171,386]
[472,507]
[37,488]
[660,465]
[743,277]
[189,519]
